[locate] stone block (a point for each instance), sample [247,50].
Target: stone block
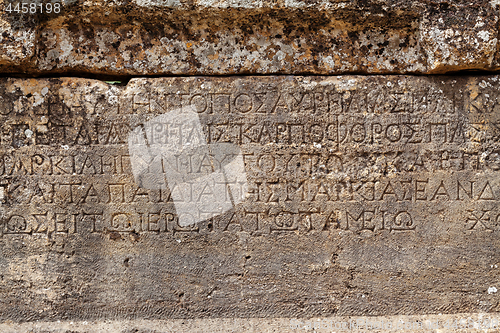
[358,196]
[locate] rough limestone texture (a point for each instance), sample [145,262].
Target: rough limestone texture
[306,196]
[449,323]
[165,37]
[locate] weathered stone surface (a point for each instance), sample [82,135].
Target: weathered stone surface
[240,37]
[363,196]
[17,38]
[453,323]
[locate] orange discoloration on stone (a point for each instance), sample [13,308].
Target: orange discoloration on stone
[326,37]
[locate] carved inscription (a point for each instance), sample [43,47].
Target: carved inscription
[317,154]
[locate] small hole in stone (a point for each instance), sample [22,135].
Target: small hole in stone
[125,262]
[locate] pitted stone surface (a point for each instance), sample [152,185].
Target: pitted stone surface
[366,196]
[123,38]
[17,38]
[452,323]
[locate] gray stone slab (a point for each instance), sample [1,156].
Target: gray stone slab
[294,197]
